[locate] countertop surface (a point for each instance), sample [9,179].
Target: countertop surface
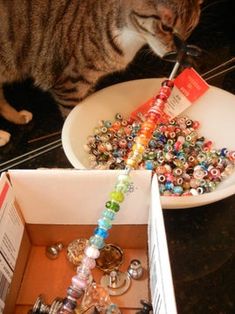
[201,240]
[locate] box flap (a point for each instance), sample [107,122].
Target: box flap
[161,284]
[62,196]
[11,232]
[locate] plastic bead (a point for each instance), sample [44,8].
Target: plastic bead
[101,233]
[117,196]
[97,241]
[92,252]
[73,292]
[113,205]
[178,190]
[109,214]
[149,165]
[104,223]
[69,305]
[88,262]
[79,283]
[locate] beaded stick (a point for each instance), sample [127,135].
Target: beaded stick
[96,242]
[80,281]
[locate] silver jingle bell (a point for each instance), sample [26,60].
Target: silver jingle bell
[135,269]
[52,251]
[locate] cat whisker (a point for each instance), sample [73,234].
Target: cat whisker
[43,137]
[29,155]
[212,4]
[147,52]
[219,69]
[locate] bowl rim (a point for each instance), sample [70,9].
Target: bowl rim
[167,202]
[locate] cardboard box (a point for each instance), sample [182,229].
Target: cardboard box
[42,207]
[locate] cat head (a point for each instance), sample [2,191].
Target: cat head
[156,21]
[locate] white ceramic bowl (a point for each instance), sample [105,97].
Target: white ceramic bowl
[215,110]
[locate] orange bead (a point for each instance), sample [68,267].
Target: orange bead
[117,125]
[148,125]
[146,133]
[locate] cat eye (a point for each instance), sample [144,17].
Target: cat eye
[166,28]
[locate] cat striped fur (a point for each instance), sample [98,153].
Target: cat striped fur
[66,46]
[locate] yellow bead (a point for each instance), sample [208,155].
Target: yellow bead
[131,163]
[138,147]
[117,196]
[142,140]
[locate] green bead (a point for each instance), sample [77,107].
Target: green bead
[96,241]
[113,206]
[122,187]
[151,155]
[124,178]
[117,196]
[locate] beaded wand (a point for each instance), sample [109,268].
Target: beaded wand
[80,281]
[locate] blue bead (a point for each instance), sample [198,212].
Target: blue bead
[116,153]
[104,223]
[178,189]
[223,152]
[109,214]
[152,143]
[161,188]
[162,138]
[129,144]
[169,185]
[148,165]
[101,233]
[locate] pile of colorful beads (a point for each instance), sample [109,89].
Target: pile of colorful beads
[185,162]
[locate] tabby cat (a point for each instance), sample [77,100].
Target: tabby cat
[67,45]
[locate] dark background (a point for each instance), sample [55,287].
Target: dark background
[201,240]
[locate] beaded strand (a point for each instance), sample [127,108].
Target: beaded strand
[80,281]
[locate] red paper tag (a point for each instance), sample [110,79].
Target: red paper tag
[3,193]
[191,84]
[188,87]
[142,109]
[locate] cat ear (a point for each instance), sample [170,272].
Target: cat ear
[143,22]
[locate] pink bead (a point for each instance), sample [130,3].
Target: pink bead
[177,145]
[207,144]
[92,252]
[79,283]
[83,272]
[162,128]
[214,173]
[88,262]
[196,125]
[181,139]
[169,177]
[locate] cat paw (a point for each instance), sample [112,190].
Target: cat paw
[26,116]
[4,137]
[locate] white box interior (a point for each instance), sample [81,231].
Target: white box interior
[77,197]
